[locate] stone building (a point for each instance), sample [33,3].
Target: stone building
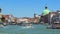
[36,18]
[53,17]
[56,17]
[50,16]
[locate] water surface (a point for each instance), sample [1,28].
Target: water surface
[35,29]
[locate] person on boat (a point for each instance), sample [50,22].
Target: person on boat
[45,15]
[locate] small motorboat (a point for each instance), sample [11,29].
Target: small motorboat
[1,25]
[54,26]
[27,26]
[4,24]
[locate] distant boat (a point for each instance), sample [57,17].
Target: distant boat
[1,25]
[54,26]
[28,26]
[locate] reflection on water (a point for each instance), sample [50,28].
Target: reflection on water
[34,29]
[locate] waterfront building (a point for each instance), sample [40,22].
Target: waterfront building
[25,20]
[36,18]
[6,18]
[51,15]
[0,15]
[21,20]
[44,15]
[56,18]
[12,19]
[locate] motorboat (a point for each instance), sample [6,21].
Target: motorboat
[54,26]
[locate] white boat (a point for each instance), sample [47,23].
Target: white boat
[1,25]
[30,26]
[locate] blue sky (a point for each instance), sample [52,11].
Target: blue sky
[26,8]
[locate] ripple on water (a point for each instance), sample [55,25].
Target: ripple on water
[37,29]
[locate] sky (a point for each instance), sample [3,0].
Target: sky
[27,8]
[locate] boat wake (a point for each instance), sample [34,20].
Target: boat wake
[1,26]
[27,27]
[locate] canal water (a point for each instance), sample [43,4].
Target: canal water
[35,29]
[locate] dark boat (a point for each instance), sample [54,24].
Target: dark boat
[54,26]
[56,22]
